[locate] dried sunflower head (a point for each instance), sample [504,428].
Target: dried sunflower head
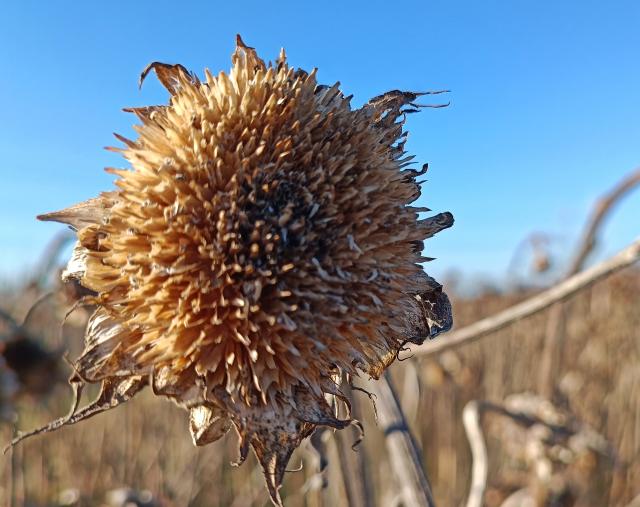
[261,249]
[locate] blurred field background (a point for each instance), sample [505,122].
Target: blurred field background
[145,445]
[543,122]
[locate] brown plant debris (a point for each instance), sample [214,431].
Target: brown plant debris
[262,247]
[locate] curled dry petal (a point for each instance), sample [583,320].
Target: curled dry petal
[261,248]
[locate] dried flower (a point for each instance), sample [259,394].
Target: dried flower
[261,249]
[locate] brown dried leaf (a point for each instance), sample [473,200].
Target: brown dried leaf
[433,225]
[81,215]
[102,336]
[273,448]
[169,75]
[184,387]
[207,424]
[114,391]
[431,313]
[274,432]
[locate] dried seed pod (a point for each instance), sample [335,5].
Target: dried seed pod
[261,247]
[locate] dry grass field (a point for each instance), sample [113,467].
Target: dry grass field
[145,446]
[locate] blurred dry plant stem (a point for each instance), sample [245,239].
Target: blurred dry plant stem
[546,427]
[554,339]
[563,290]
[404,454]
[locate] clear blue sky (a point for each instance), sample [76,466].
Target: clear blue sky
[545,111]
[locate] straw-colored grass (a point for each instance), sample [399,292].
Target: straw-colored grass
[145,444]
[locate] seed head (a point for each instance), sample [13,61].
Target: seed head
[261,249]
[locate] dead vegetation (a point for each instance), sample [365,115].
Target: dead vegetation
[261,251]
[580,446]
[544,410]
[142,447]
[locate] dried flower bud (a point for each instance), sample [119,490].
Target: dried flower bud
[261,249]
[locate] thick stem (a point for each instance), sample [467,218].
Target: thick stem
[353,463]
[406,458]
